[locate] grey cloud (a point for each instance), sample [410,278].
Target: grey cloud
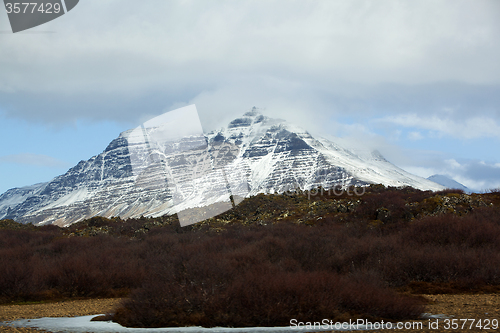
[114,59]
[468,128]
[56,108]
[481,171]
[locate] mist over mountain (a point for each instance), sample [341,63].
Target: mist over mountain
[252,154]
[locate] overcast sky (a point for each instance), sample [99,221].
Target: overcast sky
[417,80]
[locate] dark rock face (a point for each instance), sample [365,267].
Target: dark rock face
[241,122]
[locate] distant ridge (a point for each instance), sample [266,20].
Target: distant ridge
[448,182]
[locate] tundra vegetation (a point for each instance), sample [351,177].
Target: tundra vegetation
[272,258]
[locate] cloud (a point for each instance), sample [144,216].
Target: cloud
[113,59]
[34,160]
[457,127]
[415,135]
[296,102]
[479,175]
[375,72]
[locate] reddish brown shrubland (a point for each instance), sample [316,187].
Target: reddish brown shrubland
[43,264]
[252,284]
[245,274]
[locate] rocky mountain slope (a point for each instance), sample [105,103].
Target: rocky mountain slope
[253,154]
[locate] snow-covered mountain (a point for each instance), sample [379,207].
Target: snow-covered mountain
[253,154]
[448,182]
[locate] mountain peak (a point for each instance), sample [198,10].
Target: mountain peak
[249,118]
[253,113]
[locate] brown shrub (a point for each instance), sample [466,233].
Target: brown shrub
[262,297]
[339,267]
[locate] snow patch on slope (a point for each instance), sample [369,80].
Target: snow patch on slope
[73,197]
